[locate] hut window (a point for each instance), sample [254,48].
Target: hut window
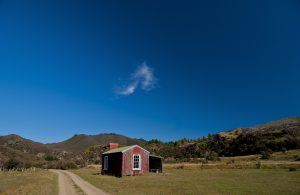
[136,162]
[105,163]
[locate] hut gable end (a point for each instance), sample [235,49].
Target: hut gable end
[128,161]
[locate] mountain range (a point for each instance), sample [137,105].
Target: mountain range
[81,142]
[284,133]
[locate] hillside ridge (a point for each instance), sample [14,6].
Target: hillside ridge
[81,149]
[79,142]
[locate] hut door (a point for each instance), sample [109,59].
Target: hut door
[105,163]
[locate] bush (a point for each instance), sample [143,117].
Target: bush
[258,164]
[50,158]
[211,155]
[232,161]
[12,164]
[62,164]
[27,164]
[180,167]
[266,155]
[283,149]
[204,161]
[297,158]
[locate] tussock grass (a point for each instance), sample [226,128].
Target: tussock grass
[28,182]
[191,180]
[290,155]
[237,165]
[278,160]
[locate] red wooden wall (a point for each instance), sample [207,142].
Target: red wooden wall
[128,161]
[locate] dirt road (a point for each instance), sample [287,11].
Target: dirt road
[71,184]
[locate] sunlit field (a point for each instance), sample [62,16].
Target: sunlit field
[195,181]
[28,182]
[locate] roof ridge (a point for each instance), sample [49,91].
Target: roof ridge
[123,149]
[119,149]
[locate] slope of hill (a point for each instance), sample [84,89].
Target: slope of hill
[291,123]
[79,143]
[80,149]
[284,121]
[264,139]
[19,143]
[273,136]
[24,151]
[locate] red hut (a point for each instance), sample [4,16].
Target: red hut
[128,160]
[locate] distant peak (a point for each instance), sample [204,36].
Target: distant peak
[13,136]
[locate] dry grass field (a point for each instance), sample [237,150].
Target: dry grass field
[229,175]
[28,182]
[199,181]
[277,160]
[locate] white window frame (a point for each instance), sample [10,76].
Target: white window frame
[140,162]
[105,163]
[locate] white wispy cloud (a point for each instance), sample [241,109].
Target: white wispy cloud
[142,78]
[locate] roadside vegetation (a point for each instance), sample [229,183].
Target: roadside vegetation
[31,181]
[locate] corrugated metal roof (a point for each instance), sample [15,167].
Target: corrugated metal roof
[120,149]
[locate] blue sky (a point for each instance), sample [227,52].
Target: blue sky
[146,69]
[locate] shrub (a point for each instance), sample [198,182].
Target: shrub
[258,165]
[66,165]
[283,149]
[61,164]
[232,161]
[204,161]
[180,167]
[211,155]
[27,164]
[50,158]
[12,164]
[266,155]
